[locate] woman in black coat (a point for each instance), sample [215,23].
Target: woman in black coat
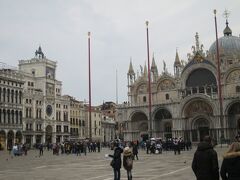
[116,162]
[230,169]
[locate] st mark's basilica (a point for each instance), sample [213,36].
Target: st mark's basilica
[186,104]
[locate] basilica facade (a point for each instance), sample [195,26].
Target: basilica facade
[186,104]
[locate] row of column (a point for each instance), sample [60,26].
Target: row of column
[10,116]
[195,90]
[10,95]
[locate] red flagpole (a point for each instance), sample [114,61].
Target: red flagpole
[149,86]
[219,77]
[89,87]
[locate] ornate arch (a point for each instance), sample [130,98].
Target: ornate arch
[141,88]
[3,137]
[166,84]
[197,106]
[201,121]
[161,116]
[186,73]
[233,113]
[230,105]
[233,76]
[18,136]
[139,121]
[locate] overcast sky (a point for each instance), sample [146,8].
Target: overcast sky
[118,33]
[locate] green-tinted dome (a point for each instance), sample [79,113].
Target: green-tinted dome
[230,45]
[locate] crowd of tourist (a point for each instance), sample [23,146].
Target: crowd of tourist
[204,165]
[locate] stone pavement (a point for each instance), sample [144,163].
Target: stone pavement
[95,166]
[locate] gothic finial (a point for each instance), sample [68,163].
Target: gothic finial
[130,70]
[164,66]
[197,41]
[145,72]
[177,60]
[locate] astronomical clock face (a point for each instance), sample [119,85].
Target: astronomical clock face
[49,110]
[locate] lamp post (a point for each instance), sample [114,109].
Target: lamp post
[89,87]
[219,77]
[149,85]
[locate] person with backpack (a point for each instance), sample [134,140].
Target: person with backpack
[116,162]
[128,161]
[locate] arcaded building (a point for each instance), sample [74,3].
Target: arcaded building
[186,103]
[11,106]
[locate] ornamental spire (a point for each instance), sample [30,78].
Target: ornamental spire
[227,31]
[130,70]
[177,60]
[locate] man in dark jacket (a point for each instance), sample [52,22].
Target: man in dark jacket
[117,161]
[205,161]
[135,150]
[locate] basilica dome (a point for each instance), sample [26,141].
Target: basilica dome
[228,44]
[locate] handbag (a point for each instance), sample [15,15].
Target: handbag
[112,163]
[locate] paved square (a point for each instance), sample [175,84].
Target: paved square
[95,166]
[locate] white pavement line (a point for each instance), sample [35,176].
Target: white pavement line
[39,167]
[173,172]
[97,177]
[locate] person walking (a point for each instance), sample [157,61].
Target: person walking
[128,161]
[230,169]
[205,161]
[135,150]
[116,162]
[40,149]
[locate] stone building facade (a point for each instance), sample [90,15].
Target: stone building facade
[11,106]
[46,113]
[108,129]
[78,125]
[186,103]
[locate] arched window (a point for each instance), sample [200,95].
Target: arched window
[0,94]
[144,99]
[26,112]
[16,113]
[8,95]
[20,97]
[20,117]
[30,112]
[4,116]
[4,94]
[36,113]
[12,114]
[237,89]
[16,97]
[12,96]
[8,114]
[0,116]
[40,113]
[167,96]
